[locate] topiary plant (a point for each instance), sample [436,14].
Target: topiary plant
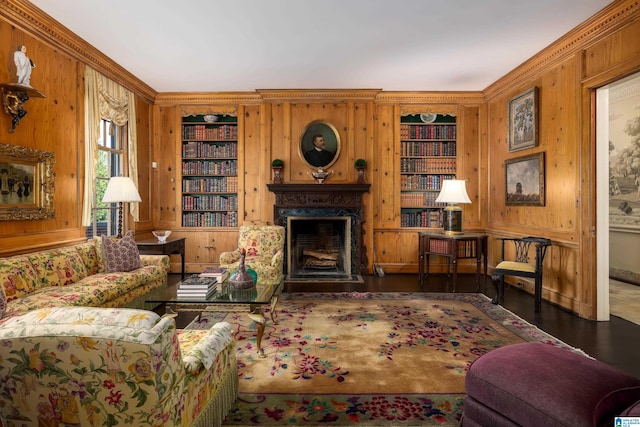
[277,163]
[360,163]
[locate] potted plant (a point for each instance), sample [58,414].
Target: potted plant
[361,166]
[276,166]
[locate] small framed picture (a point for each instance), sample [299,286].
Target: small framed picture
[523,120]
[524,178]
[319,144]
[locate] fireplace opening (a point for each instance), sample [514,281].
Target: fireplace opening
[319,247]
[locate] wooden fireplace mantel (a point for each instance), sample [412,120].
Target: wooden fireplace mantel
[318,195]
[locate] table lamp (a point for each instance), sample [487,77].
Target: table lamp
[121,189]
[453,192]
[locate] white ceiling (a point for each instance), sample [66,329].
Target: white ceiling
[243,45]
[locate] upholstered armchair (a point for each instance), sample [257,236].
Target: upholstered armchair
[264,245]
[93,367]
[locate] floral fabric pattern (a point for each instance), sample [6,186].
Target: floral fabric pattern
[108,367]
[69,277]
[264,247]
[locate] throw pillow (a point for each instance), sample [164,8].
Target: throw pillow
[121,255]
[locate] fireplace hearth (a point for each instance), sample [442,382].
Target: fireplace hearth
[325,220]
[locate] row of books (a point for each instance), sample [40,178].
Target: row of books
[435,131]
[423,182]
[419,200]
[210,132]
[225,184]
[215,203]
[199,149]
[425,218]
[418,165]
[423,148]
[204,285]
[219,167]
[210,219]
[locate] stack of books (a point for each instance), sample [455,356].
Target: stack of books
[219,273]
[197,287]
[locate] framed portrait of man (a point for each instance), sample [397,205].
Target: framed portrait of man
[319,144]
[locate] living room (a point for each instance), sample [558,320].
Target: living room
[566,75]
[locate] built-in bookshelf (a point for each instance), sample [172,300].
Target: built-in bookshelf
[427,157]
[210,171]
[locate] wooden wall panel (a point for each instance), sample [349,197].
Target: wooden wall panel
[385,170]
[618,48]
[144,156]
[256,164]
[168,152]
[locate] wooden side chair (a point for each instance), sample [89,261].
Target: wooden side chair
[520,265]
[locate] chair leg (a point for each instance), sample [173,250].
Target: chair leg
[538,294]
[498,282]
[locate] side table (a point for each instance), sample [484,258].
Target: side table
[171,246]
[454,247]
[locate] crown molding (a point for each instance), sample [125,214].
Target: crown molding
[318,95]
[207,98]
[430,98]
[615,15]
[33,21]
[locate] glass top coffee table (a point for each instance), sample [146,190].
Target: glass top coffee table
[226,299]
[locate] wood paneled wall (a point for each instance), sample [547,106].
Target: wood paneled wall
[601,50]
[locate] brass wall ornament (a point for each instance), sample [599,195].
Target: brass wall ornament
[27,183]
[14,96]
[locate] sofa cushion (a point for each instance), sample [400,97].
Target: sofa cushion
[121,255]
[89,256]
[17,277]
[58,267]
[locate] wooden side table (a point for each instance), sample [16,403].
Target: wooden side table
[454,247]
[171,246]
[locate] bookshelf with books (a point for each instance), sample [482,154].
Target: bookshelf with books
[428,150]
[209,171]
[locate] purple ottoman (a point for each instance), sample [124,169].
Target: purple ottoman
[535,384]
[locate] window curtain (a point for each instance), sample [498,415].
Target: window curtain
[106,99]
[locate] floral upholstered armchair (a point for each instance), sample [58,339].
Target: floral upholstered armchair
[93,367]
[264,245]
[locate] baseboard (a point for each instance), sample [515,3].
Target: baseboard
[624,276]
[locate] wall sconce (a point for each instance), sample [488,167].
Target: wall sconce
[453,191]
[121,189]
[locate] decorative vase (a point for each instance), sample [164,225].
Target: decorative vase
[361,178]
[240,279]
[277,174]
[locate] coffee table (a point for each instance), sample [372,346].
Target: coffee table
[228,300]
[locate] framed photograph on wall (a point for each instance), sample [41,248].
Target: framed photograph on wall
[27,183]
[524,180]
[523,120]
[319,144]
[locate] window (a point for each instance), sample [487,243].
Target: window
[111,162]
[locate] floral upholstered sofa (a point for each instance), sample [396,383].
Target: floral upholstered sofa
[81,275]
[84,366]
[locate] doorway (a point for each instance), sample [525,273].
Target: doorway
[618,195]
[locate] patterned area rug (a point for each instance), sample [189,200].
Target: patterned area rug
[367,358]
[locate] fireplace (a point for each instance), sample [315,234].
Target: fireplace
[326,220]
[319,246]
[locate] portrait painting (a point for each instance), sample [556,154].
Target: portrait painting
[319,144]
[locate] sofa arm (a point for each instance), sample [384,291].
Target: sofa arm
[161,260]
[230,257]
[205,351]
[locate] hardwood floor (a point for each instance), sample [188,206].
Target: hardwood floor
[614,342]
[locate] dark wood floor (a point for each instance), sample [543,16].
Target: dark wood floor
[616,342]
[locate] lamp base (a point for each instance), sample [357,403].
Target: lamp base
[452,219]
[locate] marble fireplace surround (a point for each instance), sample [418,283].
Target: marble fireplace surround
[324,200]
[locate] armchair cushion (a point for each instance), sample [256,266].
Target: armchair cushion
[121,255]
[517,266]
[264,245]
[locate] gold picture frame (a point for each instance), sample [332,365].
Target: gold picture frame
[524,180]
[523,120]
[27,183]
[326,155]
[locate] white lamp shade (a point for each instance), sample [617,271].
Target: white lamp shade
[453,191]
[121,189]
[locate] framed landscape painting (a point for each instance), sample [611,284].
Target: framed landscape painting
[523,120]
[524,178]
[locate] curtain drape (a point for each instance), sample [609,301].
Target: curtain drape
[106,99]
